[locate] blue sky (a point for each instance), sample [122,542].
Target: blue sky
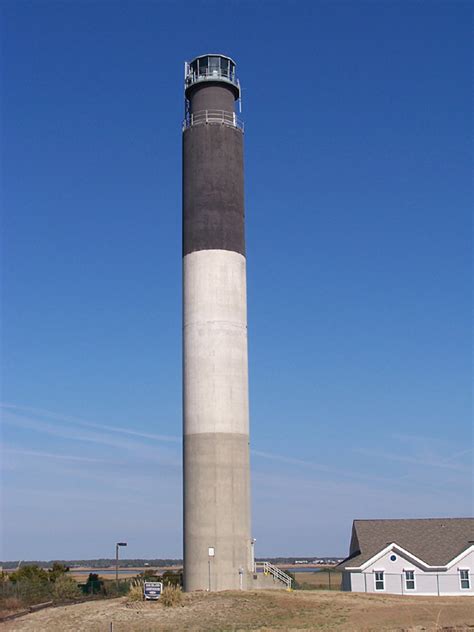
[358,201]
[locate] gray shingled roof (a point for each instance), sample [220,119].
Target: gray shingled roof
[436,541]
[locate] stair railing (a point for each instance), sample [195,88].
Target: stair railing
[277,573]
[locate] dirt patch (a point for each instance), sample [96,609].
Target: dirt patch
[263,610]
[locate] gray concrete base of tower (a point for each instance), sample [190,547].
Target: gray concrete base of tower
[217,541]
[259,581]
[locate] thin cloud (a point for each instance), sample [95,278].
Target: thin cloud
[415,460]
[291,461]
[141,448]
[335,472]
[68,419]
[50,455]
[443,444]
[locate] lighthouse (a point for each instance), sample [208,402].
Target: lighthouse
[217,539]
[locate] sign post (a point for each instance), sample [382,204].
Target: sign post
[212,553]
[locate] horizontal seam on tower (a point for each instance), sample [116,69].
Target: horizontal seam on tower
[215,322]
[237,252]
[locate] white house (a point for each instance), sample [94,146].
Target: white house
[431,556]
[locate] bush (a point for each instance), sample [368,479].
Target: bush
[66,588]
[150,575]
[169,578]
[11,604]
[112,589]
[32,573]
[30,591]
[93,585]
[135,592]
[171,596]
[57,570]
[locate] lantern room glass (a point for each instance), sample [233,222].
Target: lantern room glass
[213,65]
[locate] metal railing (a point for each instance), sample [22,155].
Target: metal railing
[210,74]
[213,116]
[277,573]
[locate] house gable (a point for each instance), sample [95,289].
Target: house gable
[394,549]
[395,560]
[464,560]
[443,564]
[433,541]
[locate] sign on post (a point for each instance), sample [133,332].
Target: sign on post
[152,590]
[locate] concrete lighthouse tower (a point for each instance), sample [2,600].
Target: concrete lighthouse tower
[217,543]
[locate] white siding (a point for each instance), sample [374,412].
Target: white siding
[451,584]
[432,582]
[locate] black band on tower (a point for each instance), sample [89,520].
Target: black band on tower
[213,188]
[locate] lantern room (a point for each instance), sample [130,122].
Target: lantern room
[211,68]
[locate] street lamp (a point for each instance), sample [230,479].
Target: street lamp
[117,559]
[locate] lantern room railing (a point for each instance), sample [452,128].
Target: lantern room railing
[210,74]
[213,116]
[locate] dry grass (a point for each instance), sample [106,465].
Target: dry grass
[263,610]
[319,580]
[136,591]
[65,587]
[171,596]
[10,604]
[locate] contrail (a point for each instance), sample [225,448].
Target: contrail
[89,424]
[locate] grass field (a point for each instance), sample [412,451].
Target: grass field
[320,580]
[263,610]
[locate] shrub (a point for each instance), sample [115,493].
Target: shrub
[93,585]
[57,571]
[113,589]
[30,591]
[135,592]
[171,596]
[11,603]
[66,588]
[169,578]
[150,575]
[31,573]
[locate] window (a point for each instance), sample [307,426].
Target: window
[203,63]
[393,558]
[379,580]
[214,65]
[225,67]
[410,580]
[464,579]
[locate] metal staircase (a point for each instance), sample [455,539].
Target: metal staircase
[275,572]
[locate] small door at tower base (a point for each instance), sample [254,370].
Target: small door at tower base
[152,590]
